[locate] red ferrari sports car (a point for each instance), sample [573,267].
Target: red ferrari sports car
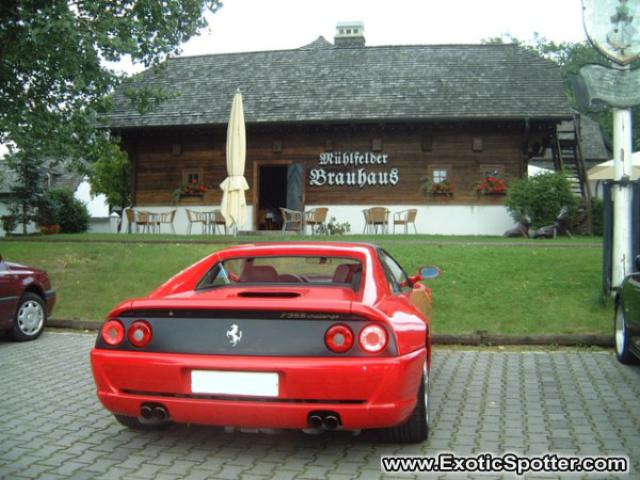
[312,336]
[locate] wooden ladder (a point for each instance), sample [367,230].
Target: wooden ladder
[569,160]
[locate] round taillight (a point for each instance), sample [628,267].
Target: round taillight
[113,333]
[139,333]
[373,338]
[339,338]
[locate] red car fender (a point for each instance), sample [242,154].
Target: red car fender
[122,307]
[406,324]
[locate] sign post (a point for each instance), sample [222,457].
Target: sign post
[611,26]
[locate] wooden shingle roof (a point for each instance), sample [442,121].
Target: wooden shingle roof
[323,83]
[592,142]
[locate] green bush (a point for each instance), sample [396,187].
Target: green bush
[74,216]
[540,197]
[9,222]
[48,211]
[336,228]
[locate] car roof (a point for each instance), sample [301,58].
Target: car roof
[328,248]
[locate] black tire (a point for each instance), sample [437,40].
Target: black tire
[621,337]
[30,317]
[416,428]
[135,424]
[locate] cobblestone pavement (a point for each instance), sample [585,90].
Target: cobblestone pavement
[52,426]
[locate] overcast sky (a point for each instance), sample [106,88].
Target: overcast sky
[250,25]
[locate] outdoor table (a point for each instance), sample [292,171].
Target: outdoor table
[148,220]
[213,218]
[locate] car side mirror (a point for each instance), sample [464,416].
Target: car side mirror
[429,272]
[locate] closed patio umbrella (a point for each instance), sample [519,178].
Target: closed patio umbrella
[604,170]
[234,206]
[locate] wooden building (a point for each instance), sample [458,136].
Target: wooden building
[347,126]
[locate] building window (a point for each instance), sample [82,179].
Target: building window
[192,175]
[439,174]
[493,169]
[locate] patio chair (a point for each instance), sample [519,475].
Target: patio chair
[217,220]
[376,218]
[315,218]
[167,218]
[292,220]
[196,217]
[148,221]
[367,224]
[405,217]
[131,219]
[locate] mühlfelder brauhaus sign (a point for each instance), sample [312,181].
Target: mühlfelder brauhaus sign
[353,169]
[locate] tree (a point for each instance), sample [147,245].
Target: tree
[55,78]
[111,176]
[571,57]
[74,216]
[29,186]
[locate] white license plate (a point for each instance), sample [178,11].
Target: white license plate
[256,384]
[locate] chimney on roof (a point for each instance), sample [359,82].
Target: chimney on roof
[349,35]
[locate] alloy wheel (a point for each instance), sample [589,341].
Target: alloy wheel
[620,333]
[30,317]
[427,392]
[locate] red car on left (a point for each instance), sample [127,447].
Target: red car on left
[26,300]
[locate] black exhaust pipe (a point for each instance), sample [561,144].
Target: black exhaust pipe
[160,413]
[315,421]
[146,412]
[331,422]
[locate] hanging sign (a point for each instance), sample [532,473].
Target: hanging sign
[615,87]
[353,169]
[612,26]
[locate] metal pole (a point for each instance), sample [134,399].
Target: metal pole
[622,149]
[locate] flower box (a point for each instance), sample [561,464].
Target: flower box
[191,189]
[493,184]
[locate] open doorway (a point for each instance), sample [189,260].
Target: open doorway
[272,194]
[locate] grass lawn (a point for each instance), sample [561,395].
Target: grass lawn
[537,289]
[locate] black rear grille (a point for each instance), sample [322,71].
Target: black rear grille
[219,332]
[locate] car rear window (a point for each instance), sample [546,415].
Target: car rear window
[284,270]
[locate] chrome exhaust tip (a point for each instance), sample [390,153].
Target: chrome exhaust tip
[146,412]
[315,421]
[331,422]
[160,413]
